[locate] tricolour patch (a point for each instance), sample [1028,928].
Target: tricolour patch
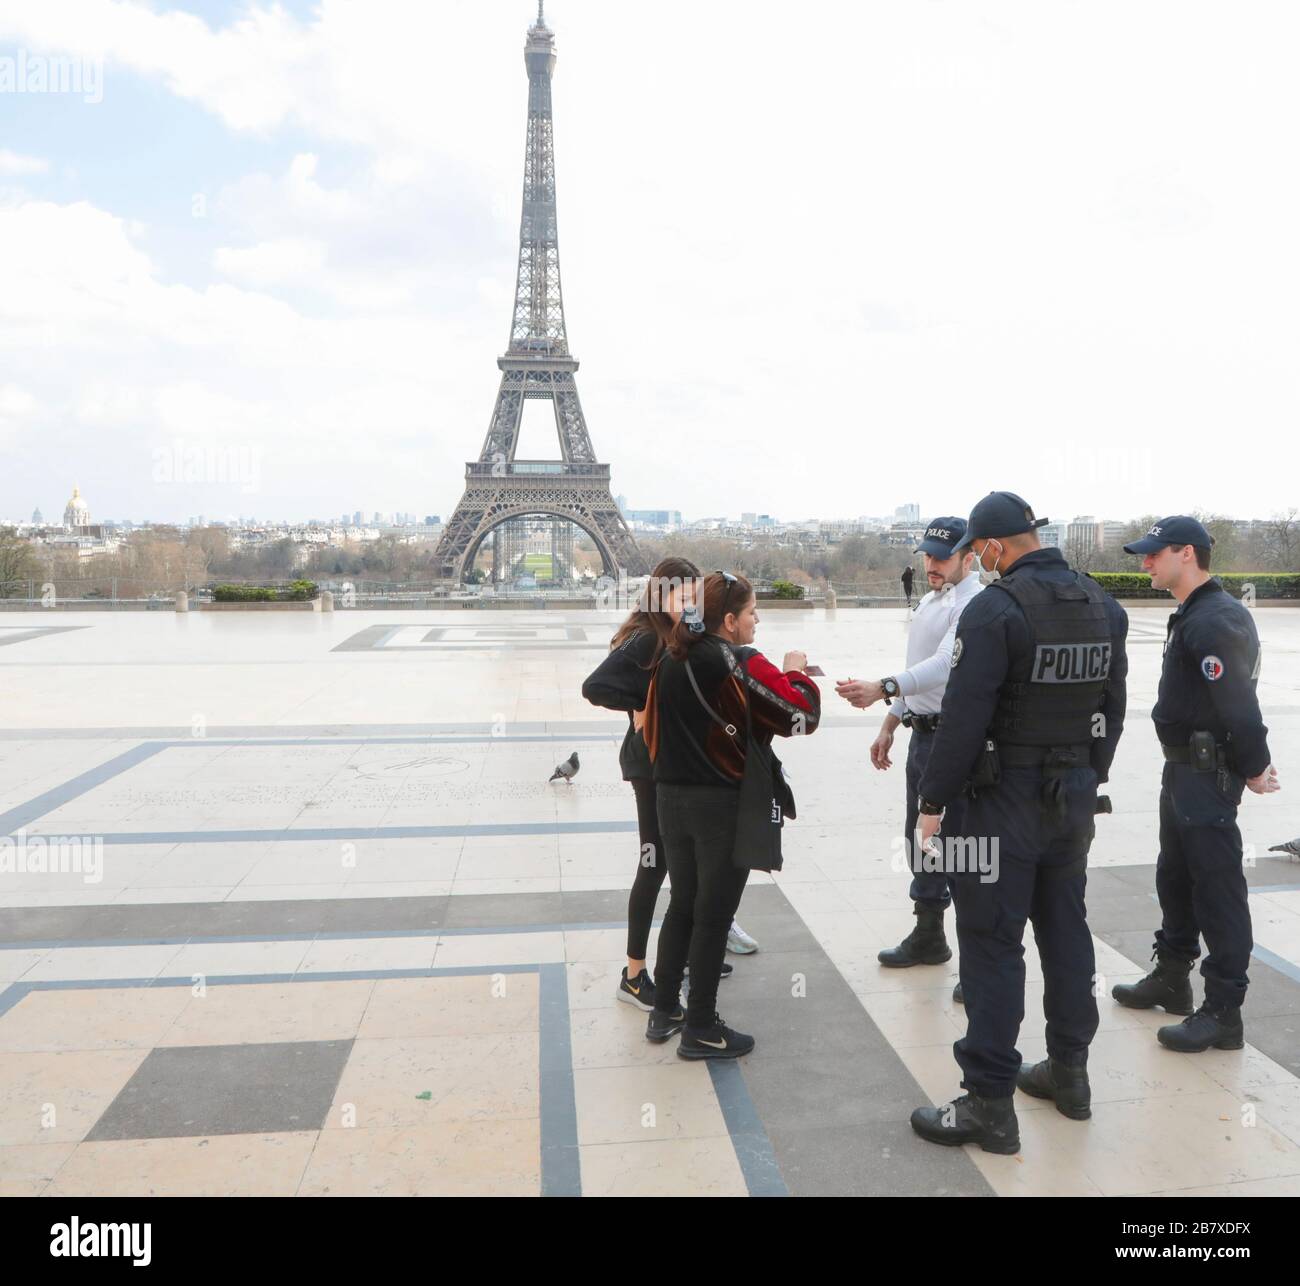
[1212,668]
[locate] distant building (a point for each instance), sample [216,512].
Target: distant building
[1112,534]
[905,533]
[668,518]
[907,513]
[37,520]
[1084,533]
[76,513]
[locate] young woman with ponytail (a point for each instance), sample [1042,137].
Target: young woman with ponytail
[699,763]
[621,682]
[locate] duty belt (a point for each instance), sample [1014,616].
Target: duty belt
[921,722]
[1183,754]
[1055,762]
[1038,756]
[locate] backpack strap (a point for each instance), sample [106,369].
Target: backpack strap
[729,728]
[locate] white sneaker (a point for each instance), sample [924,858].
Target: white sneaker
[739,942]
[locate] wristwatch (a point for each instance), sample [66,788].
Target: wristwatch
[890,688]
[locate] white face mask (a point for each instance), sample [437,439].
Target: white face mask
[988,575]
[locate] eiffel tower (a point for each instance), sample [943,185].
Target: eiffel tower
[537,364]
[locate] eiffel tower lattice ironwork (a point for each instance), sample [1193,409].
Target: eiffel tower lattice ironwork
[537,364]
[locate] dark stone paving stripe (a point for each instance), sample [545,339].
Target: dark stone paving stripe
[561,1170]
[16,818]
[753,1148]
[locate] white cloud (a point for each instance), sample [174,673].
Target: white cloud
[272,263]
[13,164]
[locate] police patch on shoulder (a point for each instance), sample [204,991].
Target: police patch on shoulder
[956,653]
[1212,668]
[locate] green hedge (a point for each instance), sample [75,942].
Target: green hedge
[785,589]
[1267,584]
[295,591]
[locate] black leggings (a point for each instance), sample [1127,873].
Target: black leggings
[698,825]
[650,870]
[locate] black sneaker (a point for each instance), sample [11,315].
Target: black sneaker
[662,1026]
[717,1041]
[638,991]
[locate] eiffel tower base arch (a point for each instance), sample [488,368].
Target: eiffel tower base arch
[483,508]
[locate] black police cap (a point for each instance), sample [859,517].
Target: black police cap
[941,537]
[1000,513]
[1178,529]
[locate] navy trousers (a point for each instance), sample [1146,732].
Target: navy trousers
[930,888]
[1200,880]
[1038,858]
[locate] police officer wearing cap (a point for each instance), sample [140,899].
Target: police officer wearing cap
[1214,742]
[918,694]
[1030,720]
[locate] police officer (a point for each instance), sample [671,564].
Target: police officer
[1214,741]
[1030,720]
[918,690]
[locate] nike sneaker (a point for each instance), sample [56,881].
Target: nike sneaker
[716,1041]
[638,991]
[661,1026]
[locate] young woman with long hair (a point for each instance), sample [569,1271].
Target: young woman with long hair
[698,767]
[621,682]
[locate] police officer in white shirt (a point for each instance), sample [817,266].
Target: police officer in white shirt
[918,692]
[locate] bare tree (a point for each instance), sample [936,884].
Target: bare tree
[1279,541]
[17,564]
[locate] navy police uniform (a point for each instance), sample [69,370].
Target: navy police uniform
[1207,685]
[1031,717]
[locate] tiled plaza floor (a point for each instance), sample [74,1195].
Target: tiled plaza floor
[341,936]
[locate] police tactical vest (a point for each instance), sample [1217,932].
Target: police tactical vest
[1070,654]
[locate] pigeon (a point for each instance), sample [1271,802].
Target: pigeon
[568,769]
[1291,848]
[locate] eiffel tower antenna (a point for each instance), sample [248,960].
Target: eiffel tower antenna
[537,364]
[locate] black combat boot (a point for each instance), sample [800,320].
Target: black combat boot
[958,996]
[1210,1027]
[990,1122]
[1065,1083]
[1167,985]
[924,945]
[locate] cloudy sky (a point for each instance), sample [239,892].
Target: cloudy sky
[818,259]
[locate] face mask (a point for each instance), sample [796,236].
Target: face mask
[989,575]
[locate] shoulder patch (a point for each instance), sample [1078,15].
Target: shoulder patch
[956,652]
[1212,668]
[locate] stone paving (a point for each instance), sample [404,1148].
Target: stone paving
[324,927]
